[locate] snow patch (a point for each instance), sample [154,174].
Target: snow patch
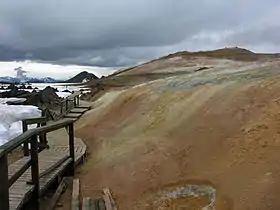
[63,94]
[12,100]
[11,117]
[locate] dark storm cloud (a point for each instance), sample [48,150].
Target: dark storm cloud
[124,32]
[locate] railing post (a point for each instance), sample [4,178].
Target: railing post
[66,105]
[25,145]
[61,108]
[43,139]
[71,149]
[4,188]
[75,101]
[35,172]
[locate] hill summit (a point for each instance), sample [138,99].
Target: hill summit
[82,77]
[232,53]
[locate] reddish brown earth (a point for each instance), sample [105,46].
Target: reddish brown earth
[220,129]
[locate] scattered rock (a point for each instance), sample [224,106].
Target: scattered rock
[202,68]
[22,86]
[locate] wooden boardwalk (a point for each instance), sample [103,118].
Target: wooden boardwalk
[52,162]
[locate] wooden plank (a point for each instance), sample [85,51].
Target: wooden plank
[20,191]
[95,205]
[71,149]
[35,172]
[109,198]
[107,202]
[73,115]
[87,203]
[47,180]
[83,107]
[50,168]
[23,190]
[101,204]
[61,188]
[78,110]
[76,195]
[18,173]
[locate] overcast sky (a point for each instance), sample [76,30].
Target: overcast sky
[118,33]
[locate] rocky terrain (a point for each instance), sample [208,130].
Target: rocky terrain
[46,98]
[187,131]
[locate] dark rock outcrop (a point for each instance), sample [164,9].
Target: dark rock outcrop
[82,77]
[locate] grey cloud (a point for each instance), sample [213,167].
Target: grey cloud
[124,32]
[254,36]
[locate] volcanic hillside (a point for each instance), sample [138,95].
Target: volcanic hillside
[204,124]
[183,63]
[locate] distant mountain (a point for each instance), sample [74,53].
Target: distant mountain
[28,80]
[82,78]
[9,80]
[43,80]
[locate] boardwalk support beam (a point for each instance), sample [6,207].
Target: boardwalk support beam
[71,149]
[25,145]
[4,189]
[35,172]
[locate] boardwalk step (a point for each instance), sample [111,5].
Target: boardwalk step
[51,167]
[83,107]
[52,162]
[73,115]
[20,191]
[78,110]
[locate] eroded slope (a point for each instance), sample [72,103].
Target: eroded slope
[219,127]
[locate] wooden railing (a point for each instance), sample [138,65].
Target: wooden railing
[69,103]
[41,121]
[30,137]
[66,105]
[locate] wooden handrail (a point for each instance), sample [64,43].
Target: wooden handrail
[18,174]
[30,136]
[70,102]
[17,141]
[30,121]
[40,121]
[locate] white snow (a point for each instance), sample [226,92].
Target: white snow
[59,86]
[11,117]
[63,94]
[14,100]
